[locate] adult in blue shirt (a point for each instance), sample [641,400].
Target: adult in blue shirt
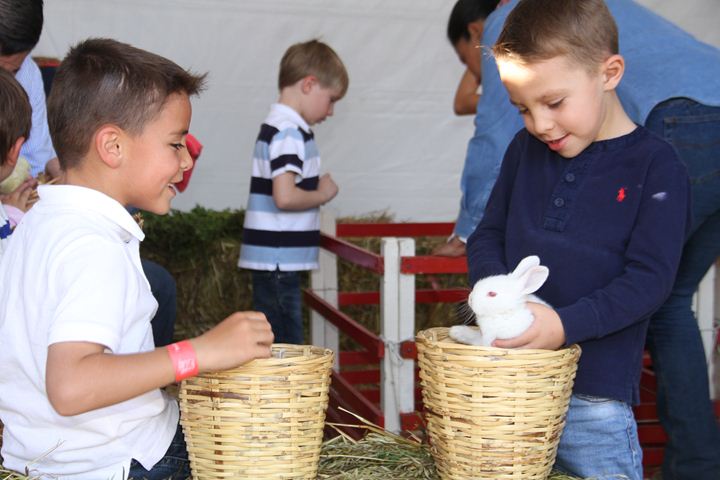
[672,86]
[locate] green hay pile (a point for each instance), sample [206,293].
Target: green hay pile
[382,456]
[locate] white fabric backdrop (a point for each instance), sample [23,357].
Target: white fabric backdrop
[393,144]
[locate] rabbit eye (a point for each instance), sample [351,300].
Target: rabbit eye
[491,294]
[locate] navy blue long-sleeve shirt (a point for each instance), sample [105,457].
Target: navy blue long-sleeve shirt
[610,225]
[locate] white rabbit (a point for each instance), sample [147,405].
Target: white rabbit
[498,303]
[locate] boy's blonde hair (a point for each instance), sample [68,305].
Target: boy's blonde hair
[16,116]
[537,30]
[313,58]
[103,81]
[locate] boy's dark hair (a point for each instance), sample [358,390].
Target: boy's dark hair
[537,30]
[103,81]
[464,13]
[16,116]
[313,58]
[21,22]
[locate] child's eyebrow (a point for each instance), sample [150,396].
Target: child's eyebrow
[553,94]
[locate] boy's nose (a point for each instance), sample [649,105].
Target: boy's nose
[187,161]
[543,123]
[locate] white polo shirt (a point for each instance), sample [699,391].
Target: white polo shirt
[75,275]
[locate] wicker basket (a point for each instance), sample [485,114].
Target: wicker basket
[260,421]
[491,412]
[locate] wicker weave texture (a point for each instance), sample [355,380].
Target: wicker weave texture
[493,413]
[263,420]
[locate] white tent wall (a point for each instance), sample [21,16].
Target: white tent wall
[393,144]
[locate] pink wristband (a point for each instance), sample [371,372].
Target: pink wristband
[183,359]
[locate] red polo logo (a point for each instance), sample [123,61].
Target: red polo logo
[620,195]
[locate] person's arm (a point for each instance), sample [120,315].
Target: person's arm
[466,95]
[496,122]
[288,196]
[83,376]
[19,198]
[486,245]
[91,362]
[38,149]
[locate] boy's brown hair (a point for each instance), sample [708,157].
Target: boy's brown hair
[313,58]
[16,117]
[537,30]
[103,81]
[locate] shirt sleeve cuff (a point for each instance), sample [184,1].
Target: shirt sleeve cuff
[579,321]
[464,225]
[14,214]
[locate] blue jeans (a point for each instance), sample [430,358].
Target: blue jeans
[277,295]
[162,285]
[173,466]
[600,440]
[683,398]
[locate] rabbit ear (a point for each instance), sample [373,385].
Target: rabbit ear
[533,278]
[526,264]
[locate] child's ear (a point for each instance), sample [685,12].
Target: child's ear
[307,83]
[14,153]
[109,145]
[613,69]
[475,29]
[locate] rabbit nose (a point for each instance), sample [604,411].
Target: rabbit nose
[491,294]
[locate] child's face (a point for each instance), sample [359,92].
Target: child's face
[561,103]
[157,158]
[319,103]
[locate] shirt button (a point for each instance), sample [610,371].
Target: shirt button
[570,177]
[559,202]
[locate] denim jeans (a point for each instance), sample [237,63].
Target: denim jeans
[683,399]
[173,466]
[600,440]
[162,285]
[277,295]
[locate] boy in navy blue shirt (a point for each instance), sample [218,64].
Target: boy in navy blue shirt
[603,202]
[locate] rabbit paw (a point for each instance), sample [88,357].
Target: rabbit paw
[466,335]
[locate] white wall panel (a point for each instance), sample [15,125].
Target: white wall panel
[394,143]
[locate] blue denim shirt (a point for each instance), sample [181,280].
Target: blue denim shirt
[662,62]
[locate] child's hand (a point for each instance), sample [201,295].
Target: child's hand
[545,332]
[20,197]
[241,337]
[327,187]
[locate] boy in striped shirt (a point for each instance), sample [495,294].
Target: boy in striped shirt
[281,234]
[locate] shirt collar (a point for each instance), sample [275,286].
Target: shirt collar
[87,199]
[282,111]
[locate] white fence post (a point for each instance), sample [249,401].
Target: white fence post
[389,331]
[405,368]
[705,313]
[397,320]
[324,282]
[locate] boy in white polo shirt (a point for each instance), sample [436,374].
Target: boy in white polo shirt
[81,377]
[281,234]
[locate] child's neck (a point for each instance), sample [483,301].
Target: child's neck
[617,122]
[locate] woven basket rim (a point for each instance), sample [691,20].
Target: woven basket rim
[426,337]
[316,354]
